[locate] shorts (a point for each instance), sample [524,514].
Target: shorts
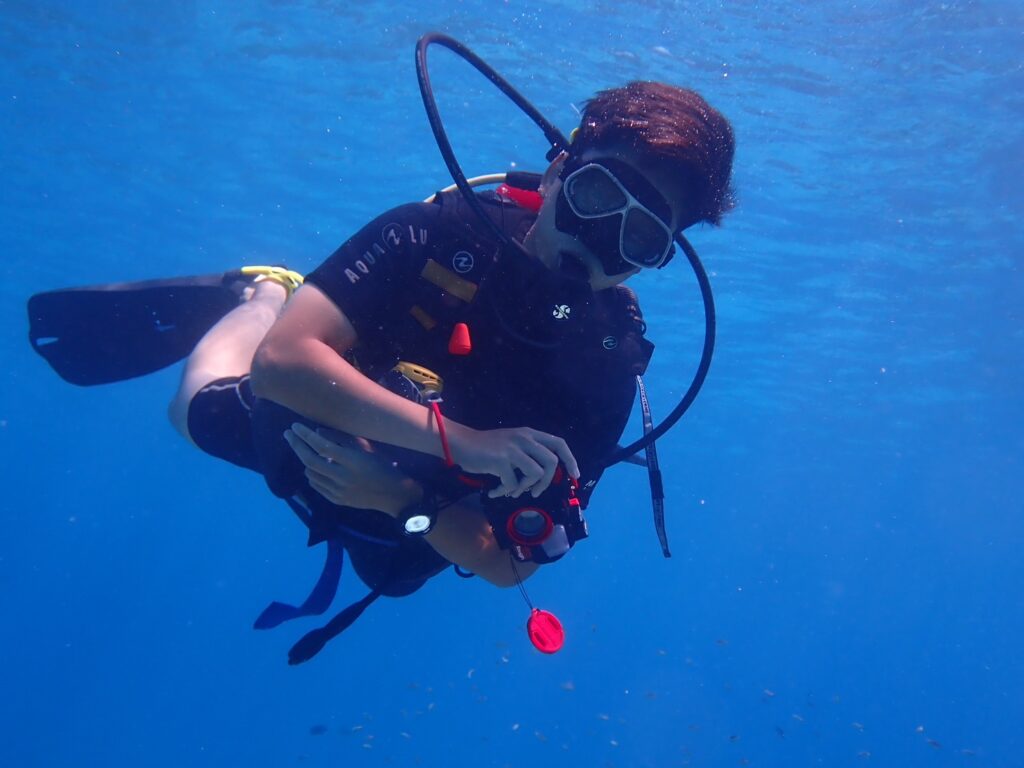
[220,421]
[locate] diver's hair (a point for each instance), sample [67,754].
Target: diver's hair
[675,126]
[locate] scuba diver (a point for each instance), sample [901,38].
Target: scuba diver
[450,384]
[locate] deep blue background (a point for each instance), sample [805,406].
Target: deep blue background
[844,498]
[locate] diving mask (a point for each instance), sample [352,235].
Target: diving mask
[624,228]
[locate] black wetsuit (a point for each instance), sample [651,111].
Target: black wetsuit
[539,359]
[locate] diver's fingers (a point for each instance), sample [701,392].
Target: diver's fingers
[549,463]
[324,480]
[328,449]
[313,459]
[345,439]
[524,473]
[508,483]
[306,455]
[561,449]
[530,469]
[318,442]
[332,471]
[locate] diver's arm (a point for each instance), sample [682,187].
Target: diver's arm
[299,364]
[462,535]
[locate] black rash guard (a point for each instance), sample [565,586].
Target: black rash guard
[411,274]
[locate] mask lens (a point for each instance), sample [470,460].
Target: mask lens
[593,193]
[644,239]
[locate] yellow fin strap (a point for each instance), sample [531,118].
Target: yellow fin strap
[287,278]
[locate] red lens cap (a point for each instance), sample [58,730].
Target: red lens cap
[545,631]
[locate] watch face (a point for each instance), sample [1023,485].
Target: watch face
[418,524]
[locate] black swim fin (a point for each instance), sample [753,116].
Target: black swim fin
[105,333]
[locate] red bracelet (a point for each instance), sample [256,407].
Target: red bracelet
[435,406]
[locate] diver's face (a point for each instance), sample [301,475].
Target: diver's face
[660,192]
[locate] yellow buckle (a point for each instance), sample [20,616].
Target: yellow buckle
[422,377]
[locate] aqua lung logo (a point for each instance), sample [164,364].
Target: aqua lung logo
[609,342]
[391,237]
[561,312]
[462,262]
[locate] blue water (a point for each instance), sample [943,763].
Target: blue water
[844,497]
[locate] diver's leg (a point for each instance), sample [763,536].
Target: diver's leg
[227,349]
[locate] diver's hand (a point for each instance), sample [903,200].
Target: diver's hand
[344,470]
[523,459]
